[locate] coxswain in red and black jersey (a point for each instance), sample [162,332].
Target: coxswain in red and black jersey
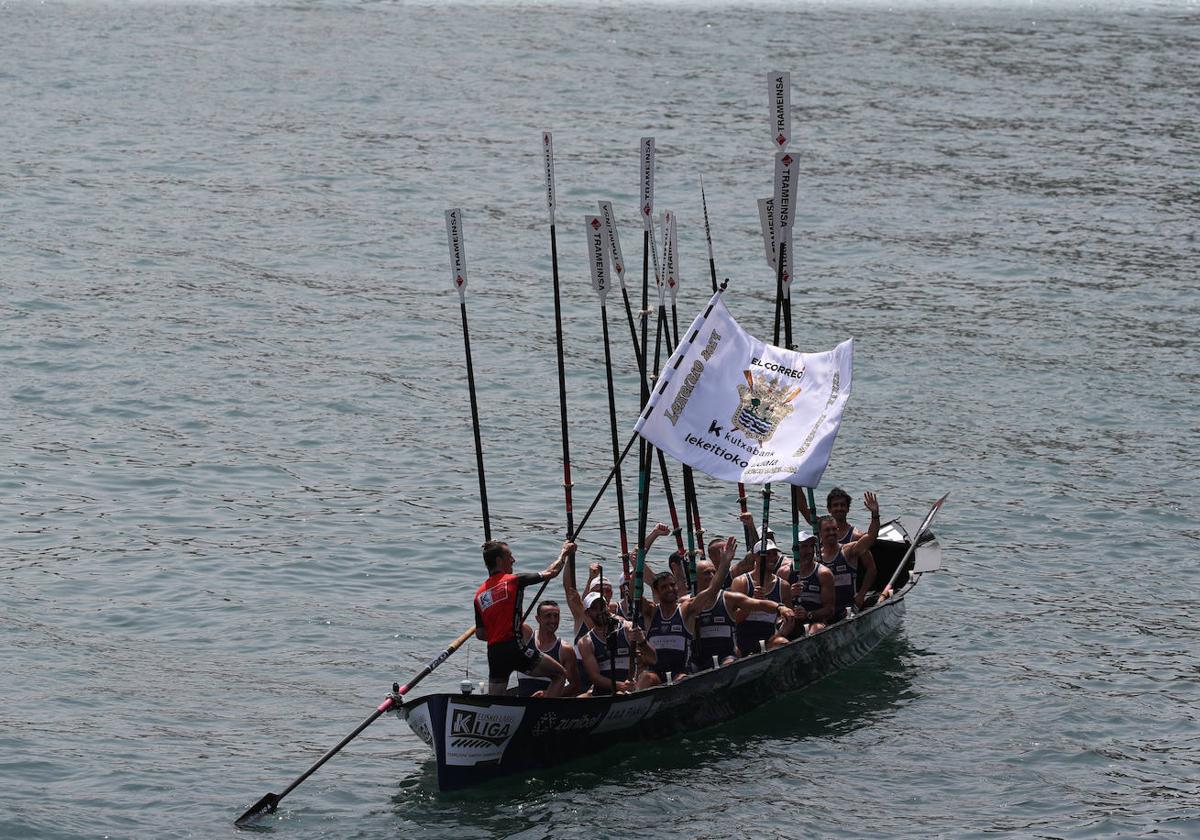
[852,565]
[498,620]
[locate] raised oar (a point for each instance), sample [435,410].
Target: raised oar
[458,270]
[548,151]
[598,247]
[691,511]
[644,450]
[712,270]
[270,802]
[712,264]
[618,263]
[785,181]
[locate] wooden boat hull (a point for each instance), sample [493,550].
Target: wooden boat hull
[478,738]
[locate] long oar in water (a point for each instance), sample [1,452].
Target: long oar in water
[458,271]
[269,803]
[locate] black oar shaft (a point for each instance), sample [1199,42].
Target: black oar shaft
[612,425]
[562,385]
[483,500]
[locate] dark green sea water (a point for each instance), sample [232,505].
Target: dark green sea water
[237,487]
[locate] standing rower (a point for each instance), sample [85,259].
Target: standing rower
[498,619]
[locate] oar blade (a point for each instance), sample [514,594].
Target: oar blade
[266,805]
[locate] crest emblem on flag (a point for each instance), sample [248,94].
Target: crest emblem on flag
[762,405]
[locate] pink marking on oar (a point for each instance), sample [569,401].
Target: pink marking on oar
[386,704]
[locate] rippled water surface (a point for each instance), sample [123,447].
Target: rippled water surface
[238,487]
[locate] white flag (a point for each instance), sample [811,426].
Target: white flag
[739,409]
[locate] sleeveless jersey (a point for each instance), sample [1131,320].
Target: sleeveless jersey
[845,584]
[671,641]
[498,606]
[758,626]
[847,537]
[604,659]
[527,685]
[715,629]
[810,588]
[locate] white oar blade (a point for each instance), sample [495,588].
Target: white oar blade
[598,246]
[614,241]
[548,153]
[648,183]
[786,170]
[458,254]
[780,96]
[766,218]
[672,259]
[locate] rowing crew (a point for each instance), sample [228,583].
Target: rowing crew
[767,601]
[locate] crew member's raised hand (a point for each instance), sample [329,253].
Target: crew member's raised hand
[661,530]
[871,502]
[730,547]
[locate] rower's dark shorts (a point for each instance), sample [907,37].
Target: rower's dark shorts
[506,657]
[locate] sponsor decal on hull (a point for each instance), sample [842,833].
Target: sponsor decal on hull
[622,715]
[418,722]
[479,734]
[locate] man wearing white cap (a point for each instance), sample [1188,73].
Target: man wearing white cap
[757,627]
[605,650]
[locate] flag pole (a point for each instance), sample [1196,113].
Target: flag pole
[660,276]
[458,270]
[691,509]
